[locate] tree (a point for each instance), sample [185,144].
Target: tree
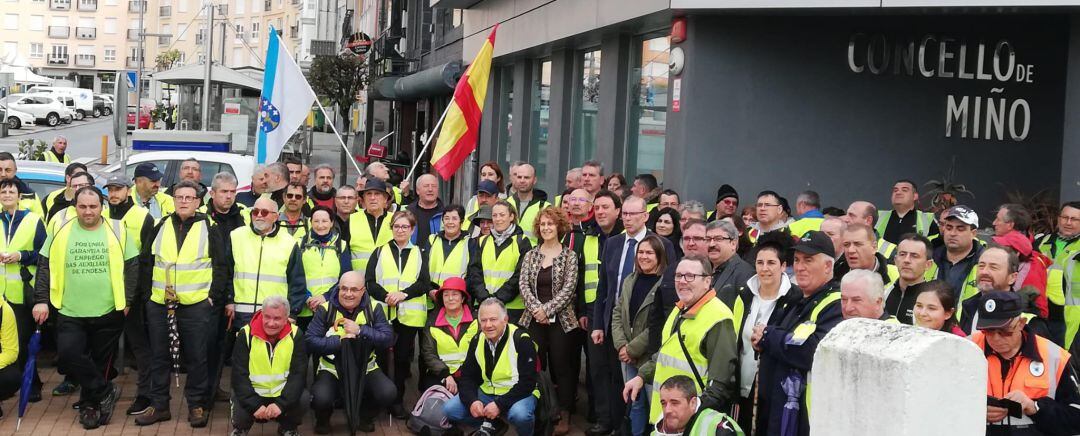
[165,60]
[339,79]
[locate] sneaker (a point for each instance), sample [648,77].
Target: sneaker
[153,416]
[89,417]
[197,417]
[139,406]
[65,388]
[108,403]
[77,405]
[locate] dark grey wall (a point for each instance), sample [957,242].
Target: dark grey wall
[771,103]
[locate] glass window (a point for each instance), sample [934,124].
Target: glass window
[583,142]
[110,54]
[541,105]
[37,49]
[505,119]
[648,108]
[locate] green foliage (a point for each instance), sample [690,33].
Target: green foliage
[165,60]
[338,79]
[32,149]
[945,193]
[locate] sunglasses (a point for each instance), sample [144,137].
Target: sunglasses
[259,213]
[294,196]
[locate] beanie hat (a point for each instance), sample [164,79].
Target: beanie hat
[726,191]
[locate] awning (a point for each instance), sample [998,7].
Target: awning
[23,75]
[195,74]
[432,82]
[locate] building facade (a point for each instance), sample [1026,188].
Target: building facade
[840,96]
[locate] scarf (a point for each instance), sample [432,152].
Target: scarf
[501,237]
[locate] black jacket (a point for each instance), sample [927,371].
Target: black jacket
[474,275]
[376,331]
[734,273]
[244,394]
[231,220]
[222,277]
[472,377]
[841,267]
[610,261]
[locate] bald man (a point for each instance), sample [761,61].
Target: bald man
[527,200]
[427,208]
[864,212]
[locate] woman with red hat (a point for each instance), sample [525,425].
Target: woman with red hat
[444,343]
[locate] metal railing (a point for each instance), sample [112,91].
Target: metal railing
[136,6]
[59,32]
[165,11]
[88,5]
[164,40]
[84,60]
[133,34]
[58,60]
[60,5]
[86,32]
[323,48]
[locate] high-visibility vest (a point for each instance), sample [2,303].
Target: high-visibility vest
[398,198]
[133,221]
[322,266]
[298,230]
[969,290]
[443,265]
[706,423]
[327,363]
[50,199]
[803,225]
[21,240]
[528,216]
[671,361]
[188,270]
[395,275]
[60,218]
[362,242]
[268,365]
[165,202]
[453,352]
[505,374]
[590,253]
[1035,379]
[259,267]
[885,248]
[1068,284]
[498,268]
[1047,245]
[31,203]
[923,220]
[832,297]
[115,240]
[50,156]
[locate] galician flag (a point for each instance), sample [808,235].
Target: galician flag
[461,128]
[285,102]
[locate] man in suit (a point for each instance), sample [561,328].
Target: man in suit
[617,262]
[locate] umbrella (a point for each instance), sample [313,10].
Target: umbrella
[351,364]
[28,374]
[171,303]
[793,388]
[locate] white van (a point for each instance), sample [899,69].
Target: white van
[83,98]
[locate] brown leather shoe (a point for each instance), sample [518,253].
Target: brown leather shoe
[197,417]
[153,416]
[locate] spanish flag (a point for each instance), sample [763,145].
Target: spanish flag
[461,128]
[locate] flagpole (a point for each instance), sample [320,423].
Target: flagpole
[340,141]
[427,142]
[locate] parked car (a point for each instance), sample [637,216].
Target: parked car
[102,107]
[69,109]
[44,108]
[82,100]
[144,119]
[17,118]
[46,177]
[211,163]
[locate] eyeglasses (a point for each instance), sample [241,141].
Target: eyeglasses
[1004,332]
[764,205]
[729,201]
[259,213]
[1068,219]
[185,198]
[719,239]
[688,277]
[294,196]
[348,289]
[402,227]
[694,239]
[629,213]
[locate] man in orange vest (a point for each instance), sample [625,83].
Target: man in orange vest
[1024,369]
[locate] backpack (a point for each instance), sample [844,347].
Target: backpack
[547,406]
[427,417]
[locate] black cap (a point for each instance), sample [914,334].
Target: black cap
[815,242]
[997,309]
[374,184]
[487,186]
[484,213]
[148,170]
[726,191]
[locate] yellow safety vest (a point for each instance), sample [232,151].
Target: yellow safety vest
[50,200]
[803,225]
[505,375]
[298,230]
[59,219]
[885,248]
[326,363]
[165,202]
[268,366]
[1069,279]
[31,203]
[969,290]
[671,361]
[322,266]
[923,220]
[499,268]
[591,253]
[453,352]
[133,221]
[362,242]
[188,270]
[50,156]
[259,267]
[395,278]
[21,240]
[442,265]
[833,297]
[528,216]
[58,259]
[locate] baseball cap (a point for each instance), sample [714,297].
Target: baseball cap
[997,309]
[963,213]
[148,170]
[815,242]
[117,180]
[487,186]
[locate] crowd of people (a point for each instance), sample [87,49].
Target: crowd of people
[690,320]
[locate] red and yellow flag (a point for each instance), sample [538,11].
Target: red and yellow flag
[461,128]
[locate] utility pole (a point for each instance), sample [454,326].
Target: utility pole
[209,60]
[142,56]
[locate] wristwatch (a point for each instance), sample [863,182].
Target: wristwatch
[1036,406]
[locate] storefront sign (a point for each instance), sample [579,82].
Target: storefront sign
[995,115]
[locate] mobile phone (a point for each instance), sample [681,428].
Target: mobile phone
[1014,408]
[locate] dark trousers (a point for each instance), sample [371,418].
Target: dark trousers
[10,381]
[137,336]
[560,354]
[606,383]
[216,341]
[290,417]
[191,324]
[404,349]
[86,348]
[379,392]
[24,321]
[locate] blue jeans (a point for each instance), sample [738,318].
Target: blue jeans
[520,415]
[639,409]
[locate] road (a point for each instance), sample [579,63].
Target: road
[84,137]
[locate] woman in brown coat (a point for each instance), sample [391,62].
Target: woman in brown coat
[549,279]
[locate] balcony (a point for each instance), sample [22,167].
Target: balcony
[86,32]
[58,59]
[164,40]
[294,32]
[133,34]
[85,60]
[137,6]
[165,11]
[133,62]
[60,32]
[60,5]
[88,5]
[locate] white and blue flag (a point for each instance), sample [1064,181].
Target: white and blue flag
[285,102]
